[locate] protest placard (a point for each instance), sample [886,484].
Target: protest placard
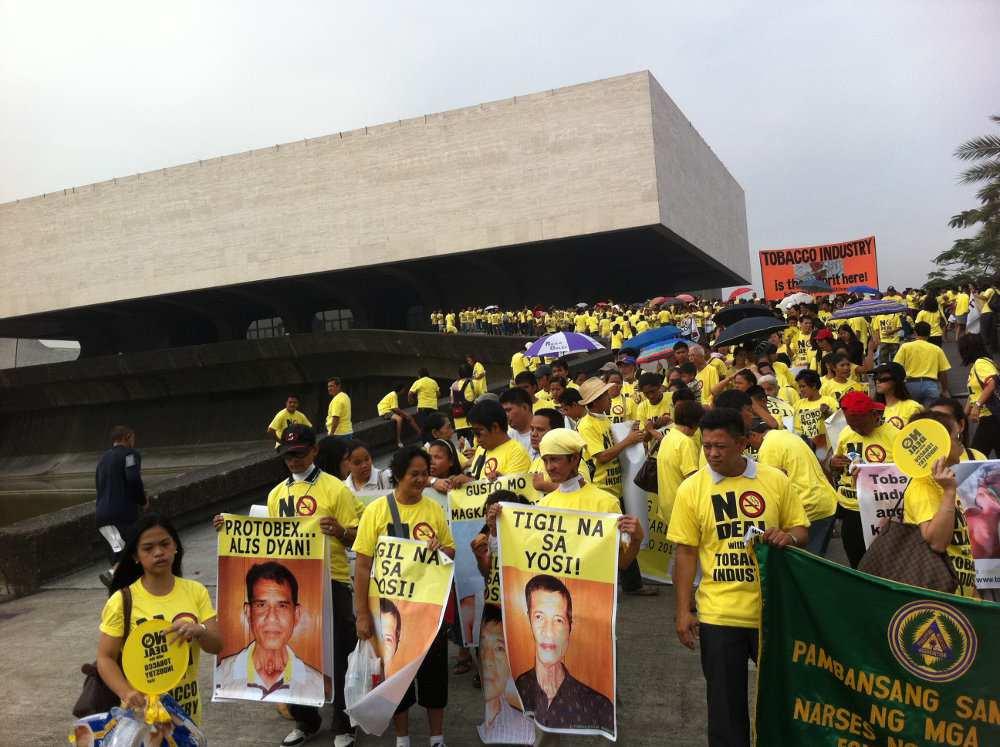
[407,595]
[558,578]
[275,613]
[826,268]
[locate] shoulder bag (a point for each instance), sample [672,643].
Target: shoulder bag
[646,478]
[993,402]
[900,553]
[97,697]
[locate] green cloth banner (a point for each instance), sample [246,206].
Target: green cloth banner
[848,659]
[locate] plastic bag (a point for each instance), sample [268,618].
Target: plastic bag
[364,672]
[129,731]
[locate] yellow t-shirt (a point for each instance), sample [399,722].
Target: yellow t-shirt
[972,455]
[188,599]
[714,516]
[676,460]
[622,409]
[921,502]
[705,379]
[587,498]
[799,348]
[595,430]
[509,458]
[809,420]
[518,364]
[388,403]
[617,339]
[788,394]
[427,392]
[425,518]
[780,410]
[921,359]
[284,418]
[980,373]
[340,407]
[889,327]
[860,326]
[875,448]
[934,319]
[835,389]
[961,303]
[479,378]
[900,413]
[783,374]
[646,410]
[321,494]
[789,453]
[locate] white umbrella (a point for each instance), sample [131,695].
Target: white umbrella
[796,298]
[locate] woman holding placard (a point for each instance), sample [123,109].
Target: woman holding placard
[932,503]
[151,570]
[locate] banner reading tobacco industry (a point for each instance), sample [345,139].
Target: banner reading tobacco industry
[828,268]
[904,667]
[558,577]
[407,594]
[467,515]
[275,611]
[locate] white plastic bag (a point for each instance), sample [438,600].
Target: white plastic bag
[364,671]
[130,731]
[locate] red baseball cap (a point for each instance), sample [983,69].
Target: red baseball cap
[859,403]
[823,334]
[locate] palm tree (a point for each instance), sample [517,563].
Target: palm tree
[978,255]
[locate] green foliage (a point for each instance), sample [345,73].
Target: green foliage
[975,259]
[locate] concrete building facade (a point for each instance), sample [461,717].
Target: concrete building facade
[605,186]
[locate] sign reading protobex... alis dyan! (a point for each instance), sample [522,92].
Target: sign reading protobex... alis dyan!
[827,268]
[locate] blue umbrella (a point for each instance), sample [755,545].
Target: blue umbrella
[650,336]
[867,289]
[657,351]
[875,307]
[562,343]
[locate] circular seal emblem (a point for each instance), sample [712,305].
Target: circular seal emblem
[305,506]
[932,640]
[423,531]
[491,465]
[874,453]
[752,504]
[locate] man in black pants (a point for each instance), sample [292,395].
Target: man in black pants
[712,510]
[309,491]
[120,493]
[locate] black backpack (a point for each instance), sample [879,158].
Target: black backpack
[460,404]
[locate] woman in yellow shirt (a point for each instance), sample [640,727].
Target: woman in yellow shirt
[890,389]
[930,312]
[954,408]
[812,408]
[150,569]
[983,373]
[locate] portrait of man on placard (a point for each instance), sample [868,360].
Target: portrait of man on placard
[268,668]
[549,690]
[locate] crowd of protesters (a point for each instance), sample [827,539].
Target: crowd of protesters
[745,418]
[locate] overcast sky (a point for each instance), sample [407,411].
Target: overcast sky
[838,118]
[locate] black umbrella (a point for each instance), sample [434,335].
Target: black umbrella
[732,314]
[749,330]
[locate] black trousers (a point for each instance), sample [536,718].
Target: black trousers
[987,332]
[851,535]
[987,436]
[429,688]
[345,638]
[725,651]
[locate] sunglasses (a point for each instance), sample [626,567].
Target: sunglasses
[884,379]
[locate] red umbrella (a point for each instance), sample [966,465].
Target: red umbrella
[739,292]
[657,301]
[685,297]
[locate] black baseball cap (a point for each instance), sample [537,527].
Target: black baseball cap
[893,369]
[297,439]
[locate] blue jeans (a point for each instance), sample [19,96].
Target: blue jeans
[819,535]
[923,391]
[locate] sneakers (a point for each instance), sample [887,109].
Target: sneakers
[296,737]
[106,578]
[344,740]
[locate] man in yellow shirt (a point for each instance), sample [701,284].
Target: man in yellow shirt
[479,385]
[497,453]
[962,305]
[424,392]
[707,376]
[309,491]
[655,409]
[926,366]
[388,408]
[864,440]
[678,455]
[788,452]
[518,363]
[338,414]
[713,510]
[284,418]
